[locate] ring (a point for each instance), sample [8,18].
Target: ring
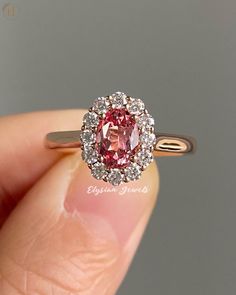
[118,140]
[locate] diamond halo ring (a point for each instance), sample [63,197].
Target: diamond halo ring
[118,139]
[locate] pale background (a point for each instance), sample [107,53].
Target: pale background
[180,57]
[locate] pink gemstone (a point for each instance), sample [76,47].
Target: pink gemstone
[117,138]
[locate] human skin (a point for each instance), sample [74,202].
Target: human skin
[56,237]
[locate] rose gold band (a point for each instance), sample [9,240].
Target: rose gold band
[166,144]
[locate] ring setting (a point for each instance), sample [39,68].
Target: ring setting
[118,139]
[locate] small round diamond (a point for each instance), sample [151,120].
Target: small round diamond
[145,121]
[88,137]
[98,170]
[89,155]
[135,106]
[144,158]
[133,172]
[90,119]
[147,139]
[118,100]
[115,177]
[100,105]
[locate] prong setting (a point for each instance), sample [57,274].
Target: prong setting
[143,153]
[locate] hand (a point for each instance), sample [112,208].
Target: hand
[56,236]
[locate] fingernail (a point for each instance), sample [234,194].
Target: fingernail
[121,207]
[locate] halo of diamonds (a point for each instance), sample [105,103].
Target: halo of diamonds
[142,158]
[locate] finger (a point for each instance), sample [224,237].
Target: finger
[63,239]
[23,157]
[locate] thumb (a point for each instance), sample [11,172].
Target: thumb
[72,234]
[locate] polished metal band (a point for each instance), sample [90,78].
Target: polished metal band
[166,144]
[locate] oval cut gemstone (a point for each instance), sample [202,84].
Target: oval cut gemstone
[117,138]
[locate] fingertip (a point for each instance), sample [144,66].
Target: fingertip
[96,235]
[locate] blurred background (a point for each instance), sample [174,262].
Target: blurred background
[180,57]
